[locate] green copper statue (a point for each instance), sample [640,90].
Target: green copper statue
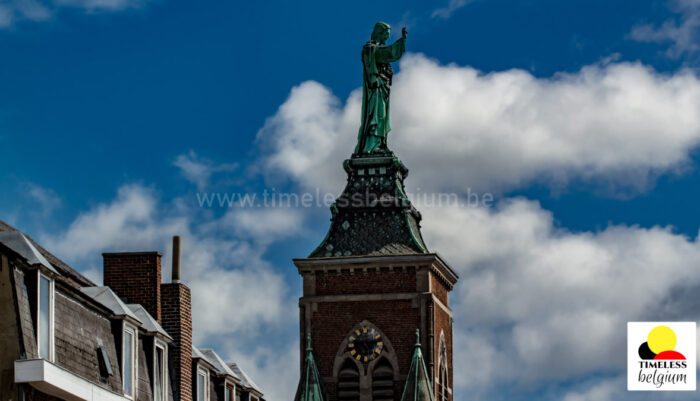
[376,83]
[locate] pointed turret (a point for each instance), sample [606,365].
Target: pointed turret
[417,382]
[310,384]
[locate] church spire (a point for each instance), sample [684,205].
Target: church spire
[310,384]
[373,216]
[417,386]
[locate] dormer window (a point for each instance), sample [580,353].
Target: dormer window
[202,385]
[129,361]
[45,318]
[159,374]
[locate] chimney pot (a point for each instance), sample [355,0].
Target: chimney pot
[176,259]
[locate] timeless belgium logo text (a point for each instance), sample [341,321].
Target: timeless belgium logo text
[661,356]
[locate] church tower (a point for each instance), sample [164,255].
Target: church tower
[372,284]
[369,285]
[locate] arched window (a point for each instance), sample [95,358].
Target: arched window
[365,366]
[442,384]
[383,381]
[349,382]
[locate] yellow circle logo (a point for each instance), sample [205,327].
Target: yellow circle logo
[660,345]
[661,338]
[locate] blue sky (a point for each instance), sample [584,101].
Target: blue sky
[579,117]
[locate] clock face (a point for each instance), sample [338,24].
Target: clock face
[365,344]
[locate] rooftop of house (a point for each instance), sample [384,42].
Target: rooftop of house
[34,254]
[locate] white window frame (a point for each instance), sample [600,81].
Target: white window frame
[134,361]
[164,384]
[232,385]
[203,373]
[52,296]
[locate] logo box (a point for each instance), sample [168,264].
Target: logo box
[661,356]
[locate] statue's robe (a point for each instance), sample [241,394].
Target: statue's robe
[376,85]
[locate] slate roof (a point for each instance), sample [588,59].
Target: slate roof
[373,216]
[107,297]
[196,353]
[246,381]
[16,241]
[150,324]
[215,360]
[75,278]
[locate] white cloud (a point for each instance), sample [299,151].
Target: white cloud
[452,6]
[265,226]
[240,301]
[604,390]
[199,170]
[683,35]
[309,134]
[536,304]
[129,221]
[46,198]
[615,389]
[620,124]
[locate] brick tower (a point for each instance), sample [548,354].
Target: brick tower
[370,284]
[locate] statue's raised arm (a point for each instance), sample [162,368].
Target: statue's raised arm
[376,84]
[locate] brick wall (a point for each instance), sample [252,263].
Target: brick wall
[334,303]
[135,277]
[177,321]
[332,322]
[373,280]
[439,289]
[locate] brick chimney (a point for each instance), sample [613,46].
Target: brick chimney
[177,321]
[135,277]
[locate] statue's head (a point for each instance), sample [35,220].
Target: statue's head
[380,33]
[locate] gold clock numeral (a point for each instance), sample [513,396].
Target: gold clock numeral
[358,332]
[364,329]
[366,359]
[351,345]
[353,352]
[378,350]
[358,357]
[352,338]
[380,343]
[378,336]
